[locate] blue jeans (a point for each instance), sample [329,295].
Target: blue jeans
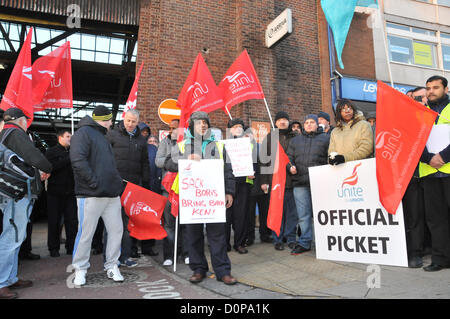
[9,247]
[289,221]
[303,203]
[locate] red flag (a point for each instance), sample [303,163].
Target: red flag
[145,209]
[275,213]
[240,83]
[173,198]
[403,127]
[132,98]
[199,93]
[18,92]
[52,80]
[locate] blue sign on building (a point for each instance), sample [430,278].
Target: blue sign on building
[364,90]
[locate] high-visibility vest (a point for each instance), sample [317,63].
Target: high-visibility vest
[182,148]
[425,169]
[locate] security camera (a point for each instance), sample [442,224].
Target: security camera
[338,75]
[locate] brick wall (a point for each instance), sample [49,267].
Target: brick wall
[173,32]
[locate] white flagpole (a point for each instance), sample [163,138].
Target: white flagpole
[228,113]
[383,29]
[268,112]
[72,121]
[175,246]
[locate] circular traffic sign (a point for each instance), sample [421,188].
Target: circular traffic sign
[168,111]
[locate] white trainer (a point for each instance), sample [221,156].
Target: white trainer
[186,261]
[80,277]
[168,262]
[114,274]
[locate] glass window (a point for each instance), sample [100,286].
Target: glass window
[115,58]
[74,40]
[102,44]
[424,54]
[445,35]
[446,56]
[87,42]
[400,49]
[101,57]
[397,26]
[444,2]
[424,31]
[117,46]
[87,55]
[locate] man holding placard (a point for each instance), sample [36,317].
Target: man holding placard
[201,147]
[434,169]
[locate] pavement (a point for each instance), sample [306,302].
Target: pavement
[263,273]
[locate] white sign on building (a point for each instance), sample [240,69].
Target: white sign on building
[279,27]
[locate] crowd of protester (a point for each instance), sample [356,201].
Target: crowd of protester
[87,173]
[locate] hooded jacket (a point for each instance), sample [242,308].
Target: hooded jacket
[353,140]
[131,155]
[93,163]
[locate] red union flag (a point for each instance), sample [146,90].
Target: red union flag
[240,83]
[52,80]
[403,127]
[145,209]
[18,92]
[173,198]
[132,98]
[199,92]
[275,213]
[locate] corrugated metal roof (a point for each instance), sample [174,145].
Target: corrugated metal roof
[112,11]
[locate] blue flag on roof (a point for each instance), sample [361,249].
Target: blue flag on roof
[339,15]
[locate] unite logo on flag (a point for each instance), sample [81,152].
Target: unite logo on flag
[139,207]
[198,92]
[239,81]
[389,144]
[351,193]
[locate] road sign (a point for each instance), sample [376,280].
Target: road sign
[168,111]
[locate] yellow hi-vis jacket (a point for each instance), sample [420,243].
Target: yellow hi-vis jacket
[425,169]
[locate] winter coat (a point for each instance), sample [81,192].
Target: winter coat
[93,163]
[307,150]
[353,140]
[20,143]
[61,180]
[267,159]
[164,151]
[155,172]
[131,155]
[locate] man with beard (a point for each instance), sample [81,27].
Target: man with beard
[434,170]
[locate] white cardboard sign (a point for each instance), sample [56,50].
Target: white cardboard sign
[239,151]
[202,191]
[350,224]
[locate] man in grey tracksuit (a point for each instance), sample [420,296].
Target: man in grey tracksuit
[98,186]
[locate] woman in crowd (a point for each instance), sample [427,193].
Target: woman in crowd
[352,139]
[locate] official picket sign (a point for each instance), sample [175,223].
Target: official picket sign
[202,191]
[351,224]
[239,151]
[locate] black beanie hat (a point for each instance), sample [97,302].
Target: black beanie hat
[281,115]
[325,115]
[234,122]
[101,113]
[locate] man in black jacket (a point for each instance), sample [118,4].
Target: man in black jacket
[98,186]
[14,233]
[61,200]
[306,150]
[130,151]
[283,134]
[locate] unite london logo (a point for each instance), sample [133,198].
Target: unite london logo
[389,144]
[139,207]
[349,190]
[198,92]
[239,81]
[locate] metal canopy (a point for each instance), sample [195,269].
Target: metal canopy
[101,74]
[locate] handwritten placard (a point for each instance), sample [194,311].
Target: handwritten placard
[239,151]
[202,191]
